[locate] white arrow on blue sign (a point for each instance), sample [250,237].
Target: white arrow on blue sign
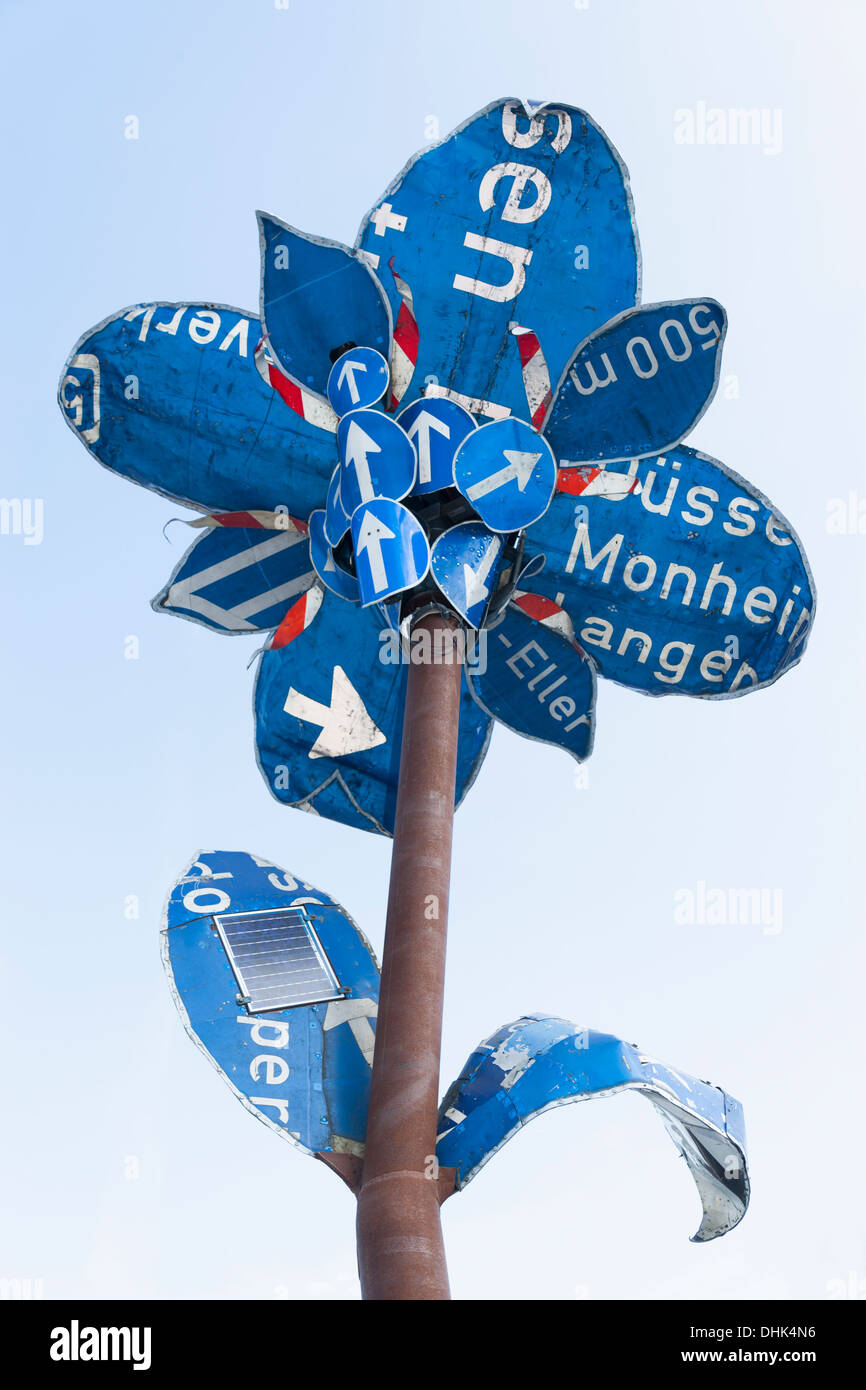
[508,472]
[332,575]
[391,549]
[437,428]
[464,562]
[357,379]
[377,457]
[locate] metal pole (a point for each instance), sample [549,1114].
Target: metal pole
[401,1254]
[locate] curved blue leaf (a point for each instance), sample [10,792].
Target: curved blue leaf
[329,719]
[168,395]
[540,1061]
[692,585]
[518,217]
[317,296]
[639,384]
[304,1069]
[536,680]
[237,580]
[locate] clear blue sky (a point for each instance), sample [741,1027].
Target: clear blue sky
[118,770]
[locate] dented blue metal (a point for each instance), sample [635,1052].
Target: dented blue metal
[304,1071]
[540,1061]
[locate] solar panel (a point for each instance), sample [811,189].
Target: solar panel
[277,959]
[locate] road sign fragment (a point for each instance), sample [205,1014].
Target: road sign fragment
[351,777]
[336,520]
[324,561]
[316,296]
[392,552]
[540,1061]
[639,384]
[437,427]
[278,987]
[464,562]
[689,584]
[536,680]
[239,579]
[377,458]
[357,380]
[507,471]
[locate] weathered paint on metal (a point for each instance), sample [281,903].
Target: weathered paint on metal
[317,297]
[329,719]
[638,384]
[507,471]
[466,562]
[536,679]
[167,395]
[302,1071]
[503,222]
[540,1061]
[238,580]
[690,584]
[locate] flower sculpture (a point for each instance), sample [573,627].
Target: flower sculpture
[471,410]
[468,414]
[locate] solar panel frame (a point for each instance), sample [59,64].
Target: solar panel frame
[324,986]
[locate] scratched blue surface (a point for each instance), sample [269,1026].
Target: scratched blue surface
[237,580]
[355,780]
[316,296]
[168,395]
[639,384]
[561,244]
[296,1069]
[541,1061]
[609,564]
[538,683]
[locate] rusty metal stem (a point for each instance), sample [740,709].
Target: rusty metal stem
[401,1254]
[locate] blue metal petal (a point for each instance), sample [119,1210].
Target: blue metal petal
[304,1070]
[329,719]
[540,1061]
[535,678]
[692,585]
[639,384]
[317,296]
[517,217]
[168,395]
[237,580]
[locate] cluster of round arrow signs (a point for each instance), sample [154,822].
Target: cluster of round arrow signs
[426,493]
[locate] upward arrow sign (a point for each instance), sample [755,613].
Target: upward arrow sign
[371,534]
[347,373]
[346,727]
[519,467]
[420,432]
[358,446]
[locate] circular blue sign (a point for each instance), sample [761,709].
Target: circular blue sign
[357,379]
[437,428]
[508,473]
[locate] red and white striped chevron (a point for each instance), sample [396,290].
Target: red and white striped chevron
[536,378]
[404,349]
[299,617]
[307,404]
[255,520]
[546,612]
[589,480]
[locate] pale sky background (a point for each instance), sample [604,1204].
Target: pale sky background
[563,898]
